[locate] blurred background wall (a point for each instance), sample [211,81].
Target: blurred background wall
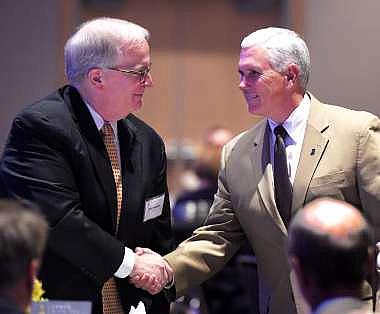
[195,48]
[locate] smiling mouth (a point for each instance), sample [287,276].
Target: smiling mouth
[251,96]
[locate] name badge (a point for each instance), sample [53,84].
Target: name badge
[153,207]
[61,307]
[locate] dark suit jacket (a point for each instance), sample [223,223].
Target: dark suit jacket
[340,158]
[55,157]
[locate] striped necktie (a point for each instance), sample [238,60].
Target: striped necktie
[110,295]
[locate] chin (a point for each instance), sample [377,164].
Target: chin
[253,109]
[137,107]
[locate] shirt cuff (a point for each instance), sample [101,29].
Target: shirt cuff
[127,264]
[170,284]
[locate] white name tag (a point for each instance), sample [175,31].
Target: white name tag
[153,207]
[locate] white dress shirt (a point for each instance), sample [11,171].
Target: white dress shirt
[295,126]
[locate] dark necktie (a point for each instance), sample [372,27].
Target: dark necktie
[282,186]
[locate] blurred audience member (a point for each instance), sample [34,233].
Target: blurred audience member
[22,239]
[331,251]
[233,289]
[192,205]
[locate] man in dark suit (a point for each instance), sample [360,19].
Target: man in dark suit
[23,233]
[331,250]
[301,150]
[97,172]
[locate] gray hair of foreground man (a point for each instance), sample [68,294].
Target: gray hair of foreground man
[23,234]
[97,44]
[283,47]
[332,242]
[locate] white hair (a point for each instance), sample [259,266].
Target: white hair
[283,47]
[98,43]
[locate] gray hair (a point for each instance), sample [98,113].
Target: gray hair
[98,43]
[283,47]
[23,232]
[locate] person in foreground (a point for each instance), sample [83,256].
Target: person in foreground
[97,172]
[302,149]
[23,233]
[331,250]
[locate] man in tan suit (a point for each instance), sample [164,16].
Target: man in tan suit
[336,232]
[329,151]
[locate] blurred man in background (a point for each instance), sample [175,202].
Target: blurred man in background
[23,233]
[234,288]
[192,205]
[331,250]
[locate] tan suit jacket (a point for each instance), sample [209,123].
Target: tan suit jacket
[340,158]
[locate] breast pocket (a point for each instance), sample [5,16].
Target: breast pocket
[330,185]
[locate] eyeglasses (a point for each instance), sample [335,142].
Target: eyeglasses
[141,74]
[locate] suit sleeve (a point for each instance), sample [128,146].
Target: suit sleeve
[368,161]
[211,246]
[35,166]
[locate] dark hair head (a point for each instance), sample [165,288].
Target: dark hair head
[23,234]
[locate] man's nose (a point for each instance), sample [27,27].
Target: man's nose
[243,82]
[148,82]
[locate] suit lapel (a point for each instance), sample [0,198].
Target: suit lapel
[96,149]
[133,181]
[313,147]
[263,171]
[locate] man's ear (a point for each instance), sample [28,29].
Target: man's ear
[95,77]
[302,278]
[292,73]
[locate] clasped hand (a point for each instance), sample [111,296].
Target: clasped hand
[150,271]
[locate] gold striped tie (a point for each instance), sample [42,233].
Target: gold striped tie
[110,296]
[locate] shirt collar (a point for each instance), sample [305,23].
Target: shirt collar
[296,122]
[99,120]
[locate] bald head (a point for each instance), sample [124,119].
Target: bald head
[330,240]
[333,218]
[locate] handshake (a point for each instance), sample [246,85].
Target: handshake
[150,271]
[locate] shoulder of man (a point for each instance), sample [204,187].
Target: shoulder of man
[246,137]
[47,116]
[53,104]
[344,114]
[346,119]
[142,129]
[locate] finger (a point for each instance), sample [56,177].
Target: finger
[139,250]
[150,283]
[134,279]
[147,281]
[140,283]
[156,289]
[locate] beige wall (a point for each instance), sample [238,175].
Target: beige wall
[343,36]
[29,51]
[195,48]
